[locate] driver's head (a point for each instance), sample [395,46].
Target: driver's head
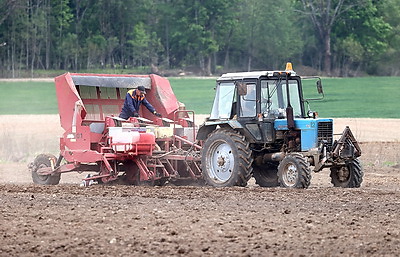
[140,90]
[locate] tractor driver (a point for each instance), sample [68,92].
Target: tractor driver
[134,98]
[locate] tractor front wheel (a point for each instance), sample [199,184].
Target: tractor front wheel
[226,159]
[44,161]
[294,171]
[349,176]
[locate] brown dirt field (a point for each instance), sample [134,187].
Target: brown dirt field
[116,220]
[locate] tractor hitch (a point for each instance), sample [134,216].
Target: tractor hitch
[346,147]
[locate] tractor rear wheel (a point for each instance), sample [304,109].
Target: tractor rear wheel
[266,175]
[350,175]
[294,171]
[226,159]
[44,161]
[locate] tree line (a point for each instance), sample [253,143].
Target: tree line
[330,37]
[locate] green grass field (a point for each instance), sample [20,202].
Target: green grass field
[367,97]
[28,98]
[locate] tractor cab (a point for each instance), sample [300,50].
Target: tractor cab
[255,95]
[263,105]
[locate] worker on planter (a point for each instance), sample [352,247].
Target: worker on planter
[134,98]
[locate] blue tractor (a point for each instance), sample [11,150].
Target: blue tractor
[259,127]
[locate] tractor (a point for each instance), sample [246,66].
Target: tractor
[259,127]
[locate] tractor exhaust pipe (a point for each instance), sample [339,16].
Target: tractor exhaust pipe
[275,157]
[269,157]
[289,108]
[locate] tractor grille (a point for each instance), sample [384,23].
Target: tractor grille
[325,133]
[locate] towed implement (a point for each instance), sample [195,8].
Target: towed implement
[258,127]
[146,149]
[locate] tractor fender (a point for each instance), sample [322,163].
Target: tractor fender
[210,126]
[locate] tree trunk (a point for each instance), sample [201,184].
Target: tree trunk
[226,59]
[76,62]
[327,52]
[47,29]
[214,63]
[249,63]
[201,64]
[228,47]
[167,46]
[13,59]
[208,65]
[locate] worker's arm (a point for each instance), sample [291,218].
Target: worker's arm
[148,106]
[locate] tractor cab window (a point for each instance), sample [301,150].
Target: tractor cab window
[274,98]
[222,106]
[248,102]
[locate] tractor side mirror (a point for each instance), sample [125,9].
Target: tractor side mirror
[319,87]
[318,83]
[242,88]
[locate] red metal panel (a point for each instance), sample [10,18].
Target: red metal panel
[161,97]
[80,140]
[67,96]
[82,156]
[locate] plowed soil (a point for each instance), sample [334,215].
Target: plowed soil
[117,220]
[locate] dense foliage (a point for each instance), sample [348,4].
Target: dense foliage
[333,37]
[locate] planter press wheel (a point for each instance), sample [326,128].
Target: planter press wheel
[132,175]
[44,161]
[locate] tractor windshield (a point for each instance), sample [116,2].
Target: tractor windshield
[222,106]
[274,98]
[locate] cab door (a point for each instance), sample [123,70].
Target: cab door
[248,110]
